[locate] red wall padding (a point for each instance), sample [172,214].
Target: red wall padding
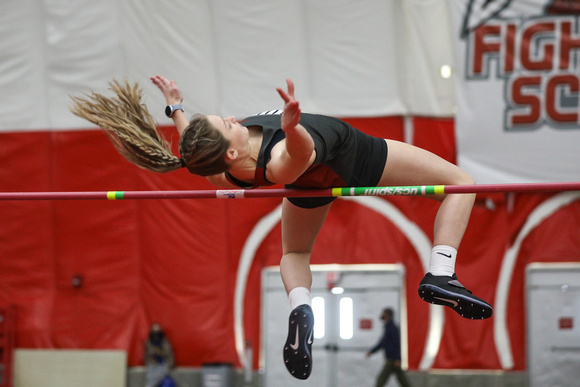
[437,135]
[175,261]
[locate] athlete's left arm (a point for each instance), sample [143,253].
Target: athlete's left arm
[293,156]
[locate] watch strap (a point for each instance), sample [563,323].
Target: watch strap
[170,109]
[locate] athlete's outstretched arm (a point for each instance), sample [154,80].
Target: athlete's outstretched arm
[172,97]
[298,154]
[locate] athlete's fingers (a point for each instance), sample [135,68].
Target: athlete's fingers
[290,87]
[283,94]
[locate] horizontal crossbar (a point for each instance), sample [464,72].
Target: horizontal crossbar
[277,193]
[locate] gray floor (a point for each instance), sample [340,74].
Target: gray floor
[194,377]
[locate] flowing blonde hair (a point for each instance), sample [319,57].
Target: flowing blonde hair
[133,132]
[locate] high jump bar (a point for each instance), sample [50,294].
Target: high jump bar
[277,193]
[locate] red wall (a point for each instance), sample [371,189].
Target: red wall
[175,261]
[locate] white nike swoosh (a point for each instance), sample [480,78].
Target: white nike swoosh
[454,303]
[310,338]
[295,345]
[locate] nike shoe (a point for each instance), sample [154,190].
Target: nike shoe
[298,347]
[448,291]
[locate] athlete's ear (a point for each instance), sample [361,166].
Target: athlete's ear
[232,154]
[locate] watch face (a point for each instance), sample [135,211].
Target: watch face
[168,111]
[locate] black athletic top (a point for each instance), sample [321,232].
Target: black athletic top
[345,157]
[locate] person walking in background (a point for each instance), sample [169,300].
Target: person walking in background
[158,358]
[390,343]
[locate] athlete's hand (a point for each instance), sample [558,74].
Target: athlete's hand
[288,162]
[291,114]
[169,89]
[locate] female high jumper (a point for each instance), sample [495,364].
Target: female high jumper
[298,150]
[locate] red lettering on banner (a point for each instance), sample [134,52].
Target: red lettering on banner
[482,48]
[539,59]
[527,95]
[530,102]
[551,107]
[531,39]
[567,43]
[510,42]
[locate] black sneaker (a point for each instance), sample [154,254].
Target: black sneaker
[298,347]
[448,291]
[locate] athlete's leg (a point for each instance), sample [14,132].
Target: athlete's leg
[300,227]
[409,165]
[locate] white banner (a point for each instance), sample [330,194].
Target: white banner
[517,68]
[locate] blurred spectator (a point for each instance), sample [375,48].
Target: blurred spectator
[390,343]
[158,359]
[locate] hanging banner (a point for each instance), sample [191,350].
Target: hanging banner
[517,67]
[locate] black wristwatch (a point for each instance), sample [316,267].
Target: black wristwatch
[170,109]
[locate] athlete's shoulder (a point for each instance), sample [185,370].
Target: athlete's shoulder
[275,112]
[269,118]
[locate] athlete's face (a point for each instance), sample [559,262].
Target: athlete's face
[231,129]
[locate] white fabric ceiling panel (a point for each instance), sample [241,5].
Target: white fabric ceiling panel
[258,45]
[176,40]
[352,57]
[426,47]
[364,58]
[23,100]
[83,50]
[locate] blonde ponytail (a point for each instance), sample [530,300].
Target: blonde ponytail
[129,125]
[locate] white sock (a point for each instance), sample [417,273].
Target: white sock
[442,260]
[299,296]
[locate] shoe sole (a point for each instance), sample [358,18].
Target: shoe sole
[298,360]
[466,307]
